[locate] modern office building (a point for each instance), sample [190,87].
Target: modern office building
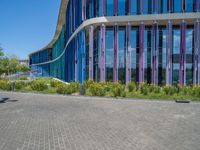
[157,41]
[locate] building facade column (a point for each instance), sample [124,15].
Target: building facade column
[154,54]
[83,52]
[128,6]
[196,5]
[91,51]
[104,7]
[75,59]
[128,53]
[155,6]
[102,48]
[196,71]
[83,10]
[182,53]
[170,6]
[115,64]
[141,52]
[168,54]
[141,6]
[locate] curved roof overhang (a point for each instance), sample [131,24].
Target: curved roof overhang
[60,23]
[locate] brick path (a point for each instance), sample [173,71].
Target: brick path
[51,122]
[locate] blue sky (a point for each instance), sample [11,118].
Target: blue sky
[27,25]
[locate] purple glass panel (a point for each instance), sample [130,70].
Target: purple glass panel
[141,52]
[102,45]
[197,53]
[75,59]
[91,39]
[128,53]
[182,53]
[169,59]
[141,6]
[115,66]
[196,5]
[198,43]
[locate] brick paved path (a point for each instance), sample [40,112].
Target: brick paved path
[51,122]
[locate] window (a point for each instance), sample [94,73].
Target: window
[134,7]
[109,51]
[177,6]
[121,7]
[163,7]
[109,7]
[176,55]
[121,55]
[189,5]
[147,55]
[100,7]
[134,54]
[189,56]
[146,6]
[162,56]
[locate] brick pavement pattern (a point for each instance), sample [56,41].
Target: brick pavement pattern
[53,122]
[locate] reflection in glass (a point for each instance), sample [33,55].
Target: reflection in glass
[189,5]
[121,55]
[162,56]
[134,54]
[147,55]
[176,55]
[189,56]
[109,51]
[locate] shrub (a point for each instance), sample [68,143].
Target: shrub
[131,86]
[119,90]
[144,88]
[23,78]
[38,85]
[19,85]
[88,83]
[195,91]
[3,84]
[97,89]
[68,89]
[170,90]
[156,89]
[55,83]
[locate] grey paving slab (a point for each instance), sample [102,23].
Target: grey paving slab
[52,122]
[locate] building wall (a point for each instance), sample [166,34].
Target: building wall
[157,41]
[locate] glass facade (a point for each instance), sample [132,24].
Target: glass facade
[109,52]
[111,47]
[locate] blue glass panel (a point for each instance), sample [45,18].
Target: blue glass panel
[121,55]
[177,6]
[109,7]
[146,7]
[176,55]
[189,56]
[164,4]
[134,7]
[100,8]
[134,40]
[189,4]
[121,7]
[109,51]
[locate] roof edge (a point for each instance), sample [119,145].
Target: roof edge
[60,23]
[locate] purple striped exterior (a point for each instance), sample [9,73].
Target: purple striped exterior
[196,5]
[198,43]
[141,52]
[75,59]
[154,54]
[197,53]
[182,53]
[102,67]
[168,51]
[91,49]
[115,65]
[128,53]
